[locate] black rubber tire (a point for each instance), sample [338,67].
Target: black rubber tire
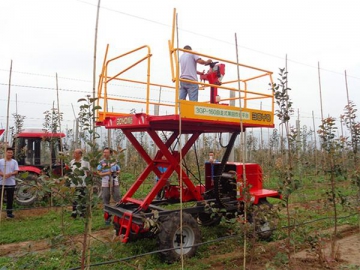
[206,219]
[169,237]
[26,193]
[264,229]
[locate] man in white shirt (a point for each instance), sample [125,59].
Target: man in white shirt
[80,168]
[8,169]
[188,63]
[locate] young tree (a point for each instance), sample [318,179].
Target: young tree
[332,146]
[350,120]
[287,183]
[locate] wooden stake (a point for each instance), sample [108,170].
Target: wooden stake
[347,89]
[315,148]
[59,118]
[348,103]
[94,65]
[6,139]
[242,143]
[261,138]
[321,104]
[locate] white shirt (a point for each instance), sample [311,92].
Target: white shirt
[11,166]
[77,171]
[188,63]
[106,166]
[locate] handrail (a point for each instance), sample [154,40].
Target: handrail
[249,89]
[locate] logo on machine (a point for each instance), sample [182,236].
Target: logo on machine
[263,117]
[124,120]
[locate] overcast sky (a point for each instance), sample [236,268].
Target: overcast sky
[45,37]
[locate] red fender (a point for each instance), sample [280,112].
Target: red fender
[32,169]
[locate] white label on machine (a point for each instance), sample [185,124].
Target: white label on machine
[199,110]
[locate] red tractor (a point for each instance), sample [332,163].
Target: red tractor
[36,151]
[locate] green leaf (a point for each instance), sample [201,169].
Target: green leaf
[97,108]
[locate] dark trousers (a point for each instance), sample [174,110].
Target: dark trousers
[9,191]
[80,199]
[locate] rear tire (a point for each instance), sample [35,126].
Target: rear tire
[170,237]
[26,193]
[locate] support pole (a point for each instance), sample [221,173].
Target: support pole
[321,103]
[6,139]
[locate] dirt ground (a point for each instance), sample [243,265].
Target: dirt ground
[347,255]
[347,252]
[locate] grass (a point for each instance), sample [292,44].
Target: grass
[307,204]
[65,256]
[45,226]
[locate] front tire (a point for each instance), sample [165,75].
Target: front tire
[171,238]
[26,191]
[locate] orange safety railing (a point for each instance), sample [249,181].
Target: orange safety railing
[243,90]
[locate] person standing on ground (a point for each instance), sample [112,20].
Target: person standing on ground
[109,171]
[188,63]
[80,169]
[8,169]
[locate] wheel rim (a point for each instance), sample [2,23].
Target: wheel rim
[188,237]
[264,227]
[97,190]
[25,193]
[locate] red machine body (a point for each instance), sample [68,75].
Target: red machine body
[214,76]
[36,148]
[235,171]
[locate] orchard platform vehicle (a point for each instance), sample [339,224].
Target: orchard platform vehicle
[36,150]
[227,184]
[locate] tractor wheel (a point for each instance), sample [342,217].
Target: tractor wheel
[263,227]
[206,219]
[26,193]
[170,237]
